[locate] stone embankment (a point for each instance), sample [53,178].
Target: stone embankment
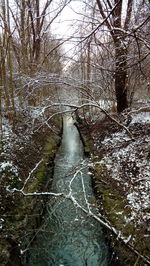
[22,215]
[117,166]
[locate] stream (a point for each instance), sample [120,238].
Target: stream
[69,236]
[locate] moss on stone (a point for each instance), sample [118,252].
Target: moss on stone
[117,211]
[48,155]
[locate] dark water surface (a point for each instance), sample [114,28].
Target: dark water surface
[69,236]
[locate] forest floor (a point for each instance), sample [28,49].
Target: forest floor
[121,178]
[22,150]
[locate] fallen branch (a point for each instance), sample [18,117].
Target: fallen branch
[88,211]
[142,109]
[32,171]
[96,105]
[13,190]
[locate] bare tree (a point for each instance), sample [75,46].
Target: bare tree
[116,28]
[115,47]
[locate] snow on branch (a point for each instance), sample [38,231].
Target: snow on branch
[85,197]
[30,174]
[99,218]
[50,117]
[142,109]
[34,193]
[102,220]
[92,104]
[21,191]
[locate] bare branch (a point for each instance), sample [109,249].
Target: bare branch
[13,190]
[76,107]
[30,174]
[128,14]
[99,218]
[105,21]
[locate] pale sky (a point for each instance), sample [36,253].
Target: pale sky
[65,25]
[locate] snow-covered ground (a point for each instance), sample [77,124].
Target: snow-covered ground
[128,162]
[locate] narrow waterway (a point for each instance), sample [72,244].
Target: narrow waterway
[69,236]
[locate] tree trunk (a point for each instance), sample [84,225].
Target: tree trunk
[121,76]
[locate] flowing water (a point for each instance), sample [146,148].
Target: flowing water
[69,236]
